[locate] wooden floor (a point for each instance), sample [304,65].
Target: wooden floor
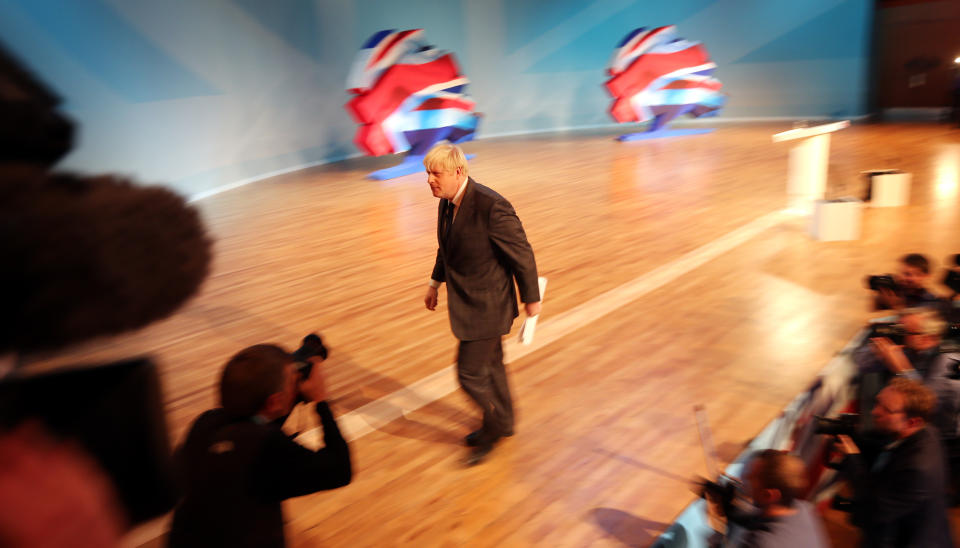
[606,440]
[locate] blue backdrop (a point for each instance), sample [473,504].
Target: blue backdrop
[203,93]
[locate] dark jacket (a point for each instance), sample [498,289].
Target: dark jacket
[484,250]
[900,498]
[235,473]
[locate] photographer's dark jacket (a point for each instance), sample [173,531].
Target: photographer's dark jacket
[900,499]
[235,473]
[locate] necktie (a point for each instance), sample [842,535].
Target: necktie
[447,220]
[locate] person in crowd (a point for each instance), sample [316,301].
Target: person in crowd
[237,464]
[919,357]
[912,279]
[776,481]
[899,491]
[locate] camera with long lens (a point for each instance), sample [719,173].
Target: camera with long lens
[844,425]
[883,281]
[723,491]
[311,346]
[893,331]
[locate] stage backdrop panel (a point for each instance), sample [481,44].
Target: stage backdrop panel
[206,93]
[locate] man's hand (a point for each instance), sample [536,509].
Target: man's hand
[315,387]
[891,354]
[889,298]
[844,444]
[431,299]
[532,308]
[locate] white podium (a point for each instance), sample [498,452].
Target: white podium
[809,158]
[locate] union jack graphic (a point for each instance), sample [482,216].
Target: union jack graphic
[654,75]
[408,95]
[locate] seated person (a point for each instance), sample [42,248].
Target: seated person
[912,277]
[899,494]
[237,465]
[776,481]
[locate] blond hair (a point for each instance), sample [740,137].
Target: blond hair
[918,400]
[445,156]
[931,323]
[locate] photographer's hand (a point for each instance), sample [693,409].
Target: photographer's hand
[891,354]
[314,388]
[845,445]
[431,299]
[889,298]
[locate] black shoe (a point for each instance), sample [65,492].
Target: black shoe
[479,454]
[473,438]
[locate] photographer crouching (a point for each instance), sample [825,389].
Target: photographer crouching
[899,497]
[237,465]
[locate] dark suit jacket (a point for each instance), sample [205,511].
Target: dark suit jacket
[901,500]
[486,249]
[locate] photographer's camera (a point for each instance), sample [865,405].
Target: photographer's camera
[844,425]
[311,346]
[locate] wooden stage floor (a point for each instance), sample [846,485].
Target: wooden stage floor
[606,441]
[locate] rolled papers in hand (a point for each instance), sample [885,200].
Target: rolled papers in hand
[530,324]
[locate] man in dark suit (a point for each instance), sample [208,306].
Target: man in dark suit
[482,249]
[899,497]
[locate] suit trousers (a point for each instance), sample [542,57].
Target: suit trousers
[483,377]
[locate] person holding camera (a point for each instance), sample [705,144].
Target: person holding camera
[912,349]
[237,465]
[905,289]
[776,481]
[899,494]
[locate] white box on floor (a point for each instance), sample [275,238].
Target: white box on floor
[890,190]
[835,220]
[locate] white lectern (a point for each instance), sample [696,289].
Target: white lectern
[809,157]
